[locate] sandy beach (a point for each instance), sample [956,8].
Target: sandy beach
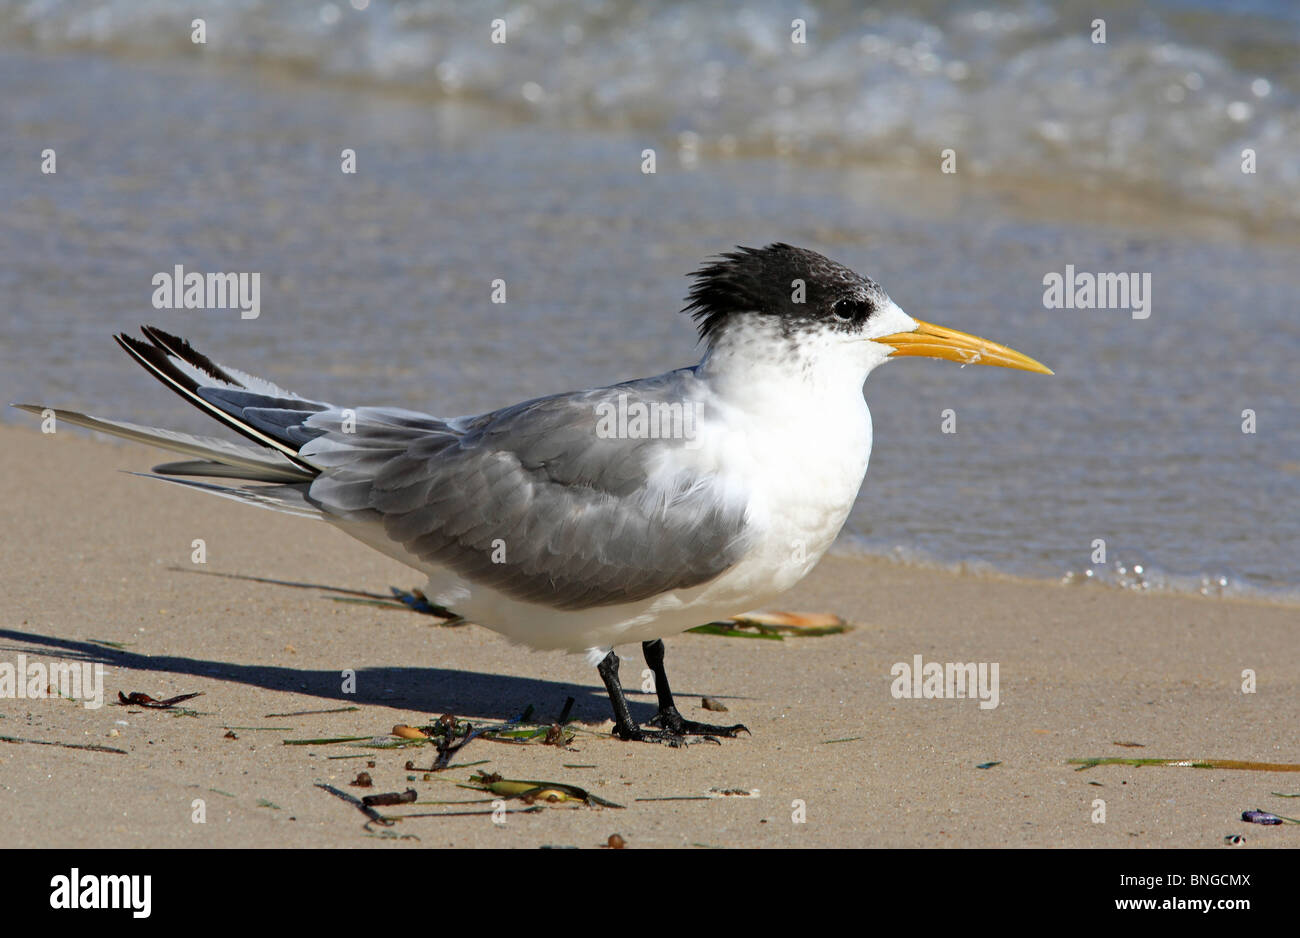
[95,556]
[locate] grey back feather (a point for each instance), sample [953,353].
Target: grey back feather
[530,500]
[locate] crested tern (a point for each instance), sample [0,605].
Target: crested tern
[595,518]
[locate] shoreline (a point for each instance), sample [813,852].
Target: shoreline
[1286,597]
[852,549]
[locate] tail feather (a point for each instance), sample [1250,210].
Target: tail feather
[242,461]
[186,354]
[289,499]
[270,416]
[217,470]
[173,362]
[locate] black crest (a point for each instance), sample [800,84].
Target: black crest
[768,281]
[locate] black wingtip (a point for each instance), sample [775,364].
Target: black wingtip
[159,357]
[180,348]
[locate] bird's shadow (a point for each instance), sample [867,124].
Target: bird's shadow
[424,690]
[427,690]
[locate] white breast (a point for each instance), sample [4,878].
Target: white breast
[803,457]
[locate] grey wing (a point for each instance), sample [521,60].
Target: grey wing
[532,500]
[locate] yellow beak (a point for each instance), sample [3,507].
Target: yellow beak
[931,341]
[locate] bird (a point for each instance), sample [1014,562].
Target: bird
[590,519]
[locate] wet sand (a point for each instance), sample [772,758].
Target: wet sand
[94,553]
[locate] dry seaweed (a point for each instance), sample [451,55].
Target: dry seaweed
[1190,764]
[390,798]
[137,699]
[531,791]
[328,740]
[364,808]
[49,742]
[311,713]
[775,625]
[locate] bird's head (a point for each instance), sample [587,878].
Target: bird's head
[804,299]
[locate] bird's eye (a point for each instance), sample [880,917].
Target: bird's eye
[849,310]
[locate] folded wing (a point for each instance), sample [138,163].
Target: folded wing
[532,500]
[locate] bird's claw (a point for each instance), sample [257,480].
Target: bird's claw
[666,737]
[671,721]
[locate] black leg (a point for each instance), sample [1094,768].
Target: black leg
[668,718]
[624,728]
[672,729]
